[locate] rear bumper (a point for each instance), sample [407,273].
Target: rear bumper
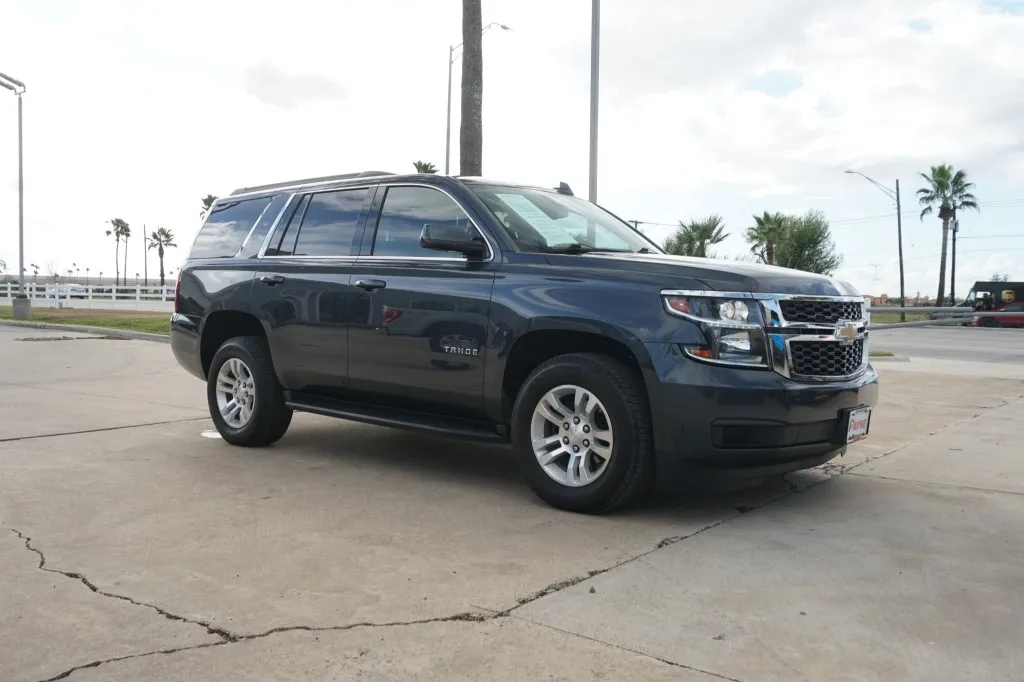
[716,422]
[185,344]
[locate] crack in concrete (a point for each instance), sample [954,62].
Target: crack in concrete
[458,617]
[210,629]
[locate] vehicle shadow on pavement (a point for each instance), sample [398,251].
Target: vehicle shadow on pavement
[432,459]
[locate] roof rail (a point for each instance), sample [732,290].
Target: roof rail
[309,181]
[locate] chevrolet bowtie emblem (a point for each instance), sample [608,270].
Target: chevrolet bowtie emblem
[846,332]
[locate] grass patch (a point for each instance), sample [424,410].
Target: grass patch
[154,323]
[881,354]
[889,318]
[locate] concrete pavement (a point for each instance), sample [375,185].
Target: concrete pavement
[353,552]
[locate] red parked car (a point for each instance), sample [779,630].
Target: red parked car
[982,320]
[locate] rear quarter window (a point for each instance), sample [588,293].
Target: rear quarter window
[227,226]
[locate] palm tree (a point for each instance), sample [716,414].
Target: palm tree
[118,229]
[424,167]
[948,190]
[125,233]
[697,237]
[161,238]
[769,229]
[207,203]
[471,135]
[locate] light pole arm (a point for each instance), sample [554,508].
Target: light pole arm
[888,192]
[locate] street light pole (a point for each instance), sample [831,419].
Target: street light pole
[899,229]
[595,54]
[22,304]
[448,120]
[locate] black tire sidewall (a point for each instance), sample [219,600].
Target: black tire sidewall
[262,406]
[597,495]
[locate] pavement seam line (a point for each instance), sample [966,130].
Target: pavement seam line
[630,650]
[41,387]
[935,484]
[101,430]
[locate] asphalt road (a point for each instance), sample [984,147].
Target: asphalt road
[953,343]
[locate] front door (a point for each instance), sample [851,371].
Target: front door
[419,320]
[303,287]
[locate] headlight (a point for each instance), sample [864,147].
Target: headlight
[732,327]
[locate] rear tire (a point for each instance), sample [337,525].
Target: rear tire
[989,322]
[245,398]
[613,463]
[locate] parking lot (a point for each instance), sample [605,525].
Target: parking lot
[134,546]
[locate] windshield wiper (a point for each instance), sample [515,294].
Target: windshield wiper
[575,249]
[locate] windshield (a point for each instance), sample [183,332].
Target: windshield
[549,222]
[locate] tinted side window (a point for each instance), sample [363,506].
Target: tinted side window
[330,224]
[252,245]
[226,227]
[404,213]
[283,241]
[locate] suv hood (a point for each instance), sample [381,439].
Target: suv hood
[728,275]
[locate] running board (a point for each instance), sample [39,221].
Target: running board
[394,418]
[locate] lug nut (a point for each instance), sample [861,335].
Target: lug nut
[586,443]
[565,426]
[575,448]
[566,440]
[586,429]
[575,420]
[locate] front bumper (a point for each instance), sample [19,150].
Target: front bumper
[715,422]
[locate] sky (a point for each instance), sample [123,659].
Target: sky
[136,110]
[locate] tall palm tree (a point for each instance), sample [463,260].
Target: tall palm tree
[471,133]
[769,229]
[949,191]
[424,167]
[207,203]
[160,239]
[125,233]
[117,231]
[697,237]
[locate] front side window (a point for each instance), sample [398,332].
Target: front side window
[548,222]
[404,213]
[330,224]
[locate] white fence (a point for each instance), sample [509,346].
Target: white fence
[101,297]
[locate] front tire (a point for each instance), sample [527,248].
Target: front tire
[581,428]
[245,398]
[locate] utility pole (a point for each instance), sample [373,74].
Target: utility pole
[952,274]
[145,257]
[22,303]
[595,53]
[899,241]
[899,229]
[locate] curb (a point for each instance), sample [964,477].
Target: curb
[101,331]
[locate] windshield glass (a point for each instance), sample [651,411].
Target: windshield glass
[549,222]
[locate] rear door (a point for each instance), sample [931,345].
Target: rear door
[302,288]
[418,327]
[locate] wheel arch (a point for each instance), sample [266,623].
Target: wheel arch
[221,325]
[550,337]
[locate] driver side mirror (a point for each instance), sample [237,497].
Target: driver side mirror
[449,237]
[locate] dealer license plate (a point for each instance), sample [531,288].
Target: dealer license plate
[857,427]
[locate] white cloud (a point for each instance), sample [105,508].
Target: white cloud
[136,110]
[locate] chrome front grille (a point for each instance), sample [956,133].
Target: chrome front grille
[820,312]
[819,338]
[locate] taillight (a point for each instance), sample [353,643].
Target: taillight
[177,293]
